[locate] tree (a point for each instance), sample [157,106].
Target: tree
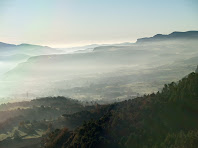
[17,135]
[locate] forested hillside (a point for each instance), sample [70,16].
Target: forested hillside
[165,119]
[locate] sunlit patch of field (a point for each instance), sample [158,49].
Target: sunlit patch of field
[38,133]
[17,107]
[3,136]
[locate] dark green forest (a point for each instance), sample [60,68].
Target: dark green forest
[166,119]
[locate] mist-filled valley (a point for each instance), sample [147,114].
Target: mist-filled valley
[101,95]
[102,72]
[98,74]
[54,122]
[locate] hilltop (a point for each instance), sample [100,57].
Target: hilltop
[189,35]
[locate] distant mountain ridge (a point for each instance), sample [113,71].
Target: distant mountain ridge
[173,36]
[27,49]
[3,45]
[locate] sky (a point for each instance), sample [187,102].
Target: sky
[66,23]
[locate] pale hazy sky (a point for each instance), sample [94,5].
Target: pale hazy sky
[62,23]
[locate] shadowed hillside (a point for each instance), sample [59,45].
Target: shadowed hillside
[165,119]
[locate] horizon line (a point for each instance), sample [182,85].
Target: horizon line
[75,45]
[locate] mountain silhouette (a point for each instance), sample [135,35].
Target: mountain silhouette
[173,36]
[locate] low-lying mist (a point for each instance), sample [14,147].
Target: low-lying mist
[113,72]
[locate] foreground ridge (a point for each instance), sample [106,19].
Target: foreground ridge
[165,119]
